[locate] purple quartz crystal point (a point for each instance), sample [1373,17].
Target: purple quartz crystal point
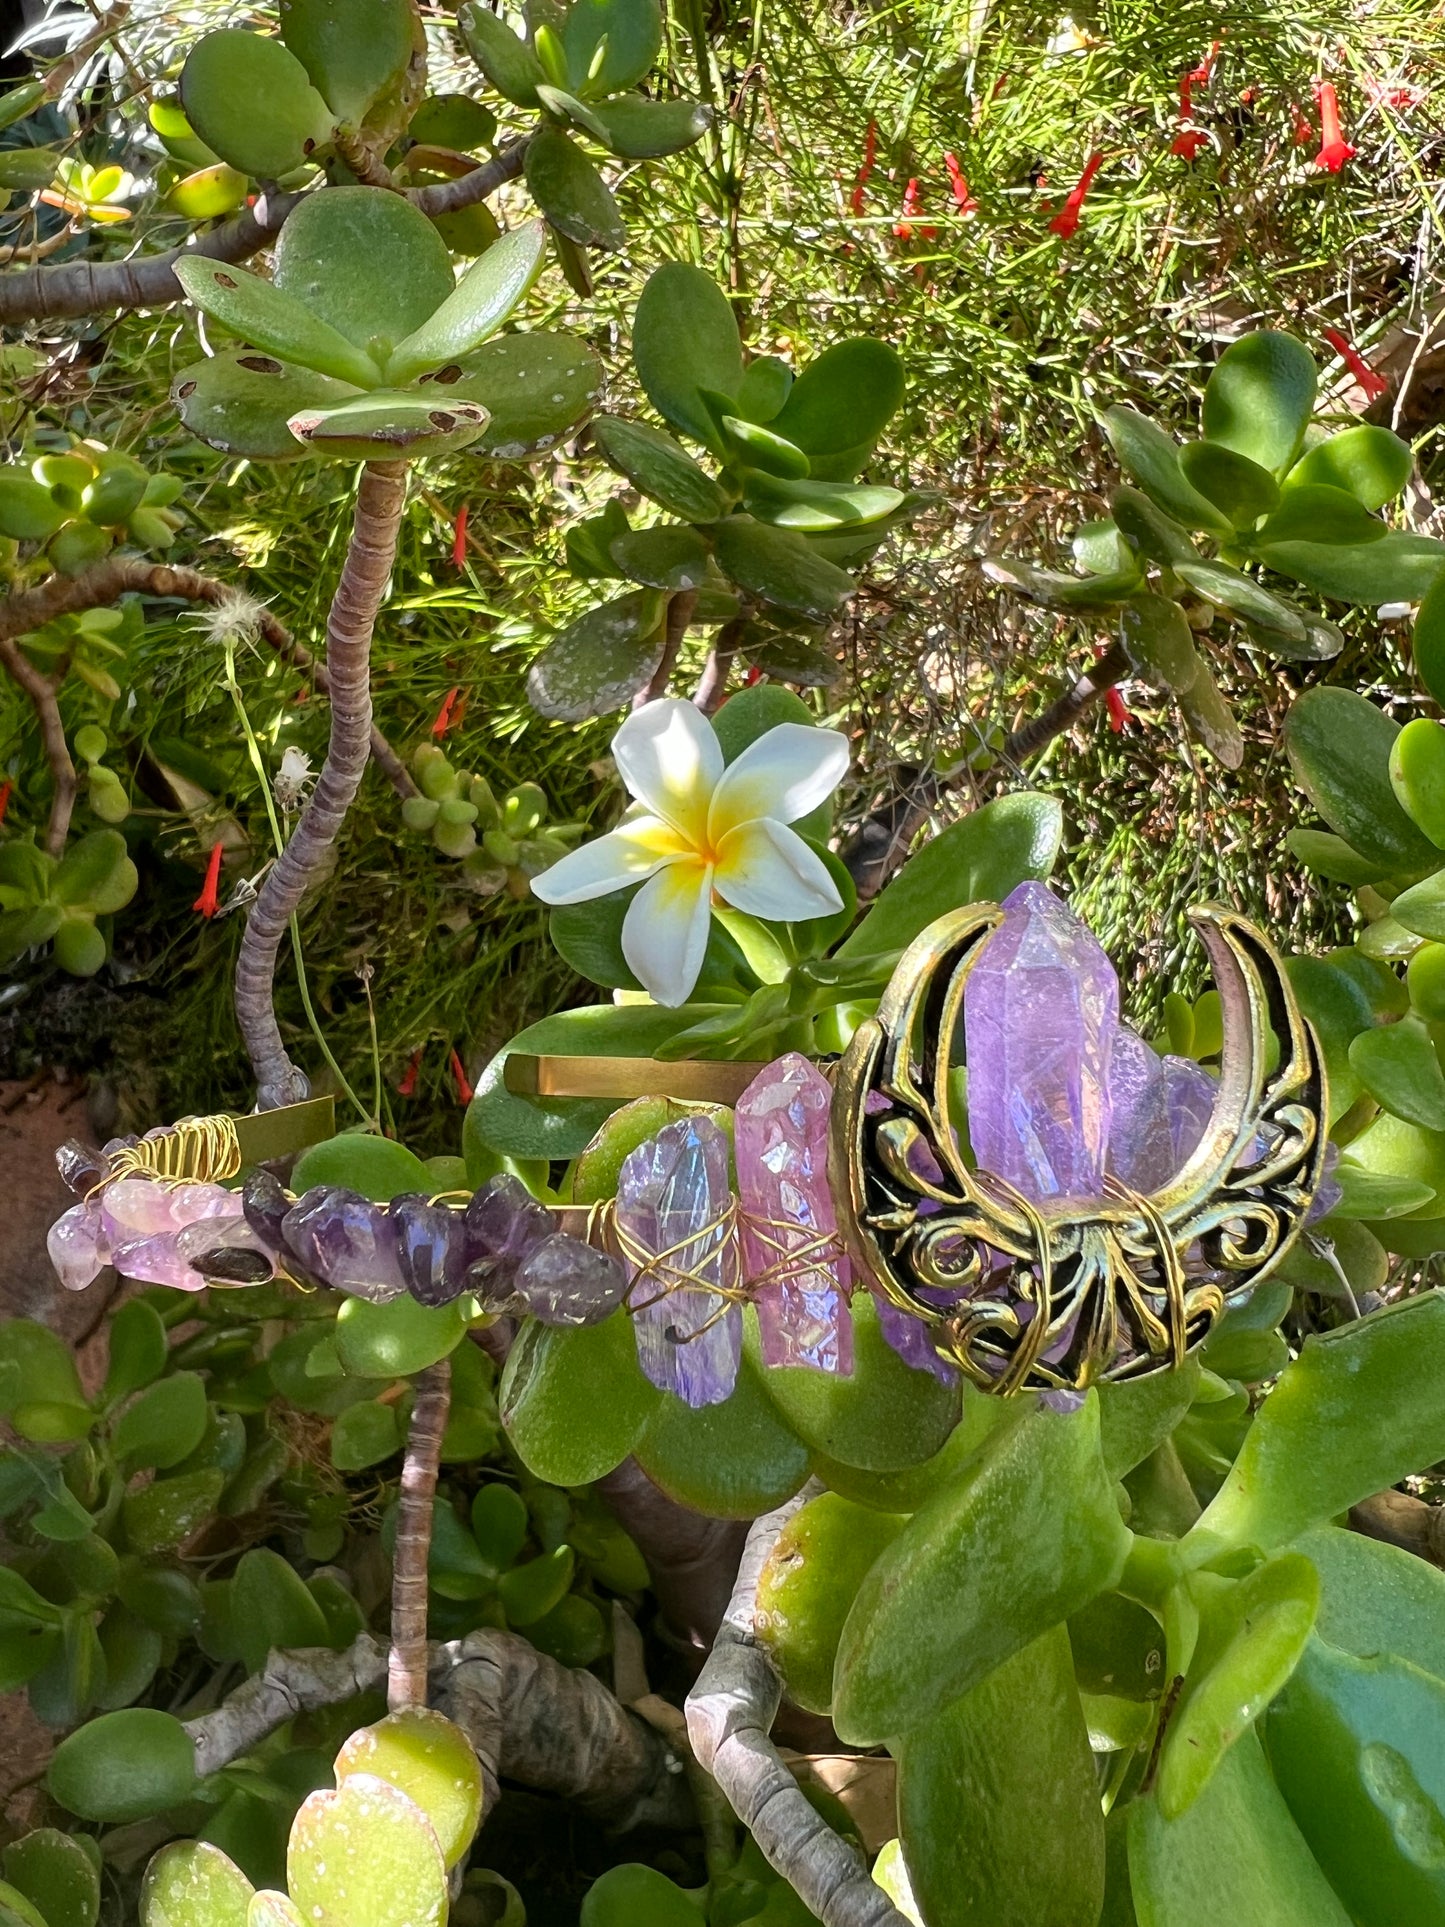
[910,1338]
[782,1160]
[1141,1140]
[563,1281]
[672,1205]
[346,1241]
[78,1247]
[431,1246]
[1040,1015]
[1192,1092]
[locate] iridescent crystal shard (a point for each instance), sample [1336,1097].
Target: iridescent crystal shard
[790,1244]
[1040,1015]
[675,1225]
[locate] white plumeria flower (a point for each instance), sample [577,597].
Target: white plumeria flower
[699,831]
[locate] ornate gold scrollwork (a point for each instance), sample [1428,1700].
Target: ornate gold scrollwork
[1026,1297]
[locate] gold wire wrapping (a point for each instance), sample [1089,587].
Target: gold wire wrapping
[665,1270]
[195,1150]
[794,1263]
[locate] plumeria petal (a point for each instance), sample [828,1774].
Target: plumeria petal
[767,870]
[664,934]
[670,759]
[637,848]
[788,771]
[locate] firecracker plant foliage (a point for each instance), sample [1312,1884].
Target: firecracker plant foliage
[564,397]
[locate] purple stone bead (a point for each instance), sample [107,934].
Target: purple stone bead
[564,1281]
[265,1204]
[135,1210]
[1141,1142]
[782,1164]
[504,1222]
[225,1251]
[346,1241]
[431,1248]
[80,1168]
[78,1247]
[1040,1016]
[672,1198]
[910,1338]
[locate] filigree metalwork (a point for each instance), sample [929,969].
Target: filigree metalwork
[1025,1297]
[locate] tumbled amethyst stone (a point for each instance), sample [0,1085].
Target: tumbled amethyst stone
[504,1221]
[80,1167]
[346,1241]
[78,1247]
[431,1249]
[1041,1012]
[564,1281]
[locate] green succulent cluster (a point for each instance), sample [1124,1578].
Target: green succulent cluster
[766,539]
[68,511]
[363,346]
[61,900]
[501,845]
[1263,492]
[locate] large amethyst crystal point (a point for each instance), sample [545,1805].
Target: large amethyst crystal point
[787,1208]
[1141,1140]
[431,1248]
[1192,1092]
[346,1241]
[564,1281]
[1040,1016]
[674,1226]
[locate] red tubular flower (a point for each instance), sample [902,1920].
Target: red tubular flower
[958,187]
[870,155]
[5,789]
[459,536]
[913,205]
[209,901]
[1335,150]
[754,675]
[1119,712]
[443,720]
[406,1083]
[1188,142]
[464,1089]
[1067,219]
[1203,73]
[1374,385]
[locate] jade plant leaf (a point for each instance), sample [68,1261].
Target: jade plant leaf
[1244,597]
[251,101]
[1339,746]
[571,193]
[574,1400]
[1260,397]
[1238,487]
[1029,1535]
[1397,1065]
[662,558]
[599,662]
[1152,459]
[1398,567]
[271,1909]
[1429,637]
[190,1883]
[57,1875]
[1417,775]
[808,1585]
[208,192]
[536,388]
[506,59]
[1376,1598]
[124,1766]
[365,1856]
[397,1339]
[846,396]
[634,128]
[757,447]
[385,425]
[1368,462]
[1159,642]
[626,34]
[779,567]
[354,50]
[1316,512]
[243,402]
[733,1460]
[652,461]
[685,339]
[273,1608]
[432,1761]
[817,506]
[368,264]
[1359,1409]
[1235,1855]
[1053,589]
[377,1167]
[1015,1745]
[482,300]
[267,317]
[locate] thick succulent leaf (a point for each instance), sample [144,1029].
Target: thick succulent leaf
[660,467]
[1233,590]
[778,566]
[208,192]
[632,31]
[25,170]
[1315,512]
[124,1766]
[482,300]
[1052,589]
[1151,457]
[57,1876]
[846,397]
[167,118]
[535,387]
[432,1761]
[758,447]
[634,128]
[1100,548]
[267,317]
[243,403]
[662,558]
[1330,856]
[1152,532]
[1397,1065]
[1210,718]
[817,506]
[1429,639]
[571,193]
[1368,462]
[367,262]
[1398,567]
[252,103]
[600,661]
[1260,397]
[1238,487]
[1159,642]
[454,121]
[506,60]
[808,1584]
[792,658]
[190,1883]
[1339,747]
[685,339]
[1417,776]
[365,1856]
[388,424]
[354,50]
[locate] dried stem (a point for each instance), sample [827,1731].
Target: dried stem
[367,166]
[679,614]
[406,1669]
[42,690]
[729,1715]
[712,685]
[692,1560]
[1112,667]
[307,857]
[108,287]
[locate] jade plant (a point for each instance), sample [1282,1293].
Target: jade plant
[1200,532]
[67,511]
[759,551]
[500,845]
[62,900]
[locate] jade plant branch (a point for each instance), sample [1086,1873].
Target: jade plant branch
[406,1667]
[307,857]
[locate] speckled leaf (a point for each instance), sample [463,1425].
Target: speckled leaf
[365,1856]
[382,427]
[251,101]
[1159,642]
[242,403]
[367,262]
[652,461]
[662,558]
[265,316]
[571,193]
[779,567]
[271,1909]
[58,1876]
[193,1884]
[432,1762]
[601,660]
[537,388]
[482,300]
[807,1586]
[1210,718]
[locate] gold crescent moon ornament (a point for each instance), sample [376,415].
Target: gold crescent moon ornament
[1055,1297]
